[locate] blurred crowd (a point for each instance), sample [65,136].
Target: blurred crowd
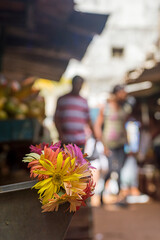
[123,149]
[117,143]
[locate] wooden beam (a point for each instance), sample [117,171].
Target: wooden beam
[52,69]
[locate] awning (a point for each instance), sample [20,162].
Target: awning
[143,88]
[40,37]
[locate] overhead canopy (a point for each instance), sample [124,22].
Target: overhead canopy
[151,76]
[40,37]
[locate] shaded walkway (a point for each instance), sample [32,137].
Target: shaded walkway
[137,222]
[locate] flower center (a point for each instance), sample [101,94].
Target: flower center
[57,179]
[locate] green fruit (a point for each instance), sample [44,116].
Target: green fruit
[3,115]
[11,106]
[2,102]
[22,108]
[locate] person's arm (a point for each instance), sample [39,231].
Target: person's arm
[92,128]
[57,121]
[98,124]
[99,131]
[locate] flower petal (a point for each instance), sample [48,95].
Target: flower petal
[59,161]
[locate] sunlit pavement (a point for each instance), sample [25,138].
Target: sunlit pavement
[134,222]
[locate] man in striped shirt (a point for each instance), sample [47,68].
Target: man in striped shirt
[72,115]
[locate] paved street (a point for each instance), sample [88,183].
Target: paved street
[136,222]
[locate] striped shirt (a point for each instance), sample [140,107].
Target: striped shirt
[72,113]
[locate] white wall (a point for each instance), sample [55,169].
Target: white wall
[132,25]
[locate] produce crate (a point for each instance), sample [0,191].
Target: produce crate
[21,216]
[18,130]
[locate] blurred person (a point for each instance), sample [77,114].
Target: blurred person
[99,161]
[144,145]
[129,181]
[155,136]
[113,117]
[129,176]
[72,115]
[129,172]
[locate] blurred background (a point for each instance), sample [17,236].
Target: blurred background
[43,45]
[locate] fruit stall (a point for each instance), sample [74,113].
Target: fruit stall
[22,111]
[37,38]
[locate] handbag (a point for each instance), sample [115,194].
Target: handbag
[94,154]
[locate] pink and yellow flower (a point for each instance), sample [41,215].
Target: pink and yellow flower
[64,175]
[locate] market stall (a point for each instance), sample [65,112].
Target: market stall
[37,40]
[146,90]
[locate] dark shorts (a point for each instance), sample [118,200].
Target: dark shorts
[116,159]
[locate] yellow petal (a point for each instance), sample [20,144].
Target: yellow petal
[73,177]
[42,183]
[59,162]
[73,164]
[48,173]
[43,191]
[55,188]
[66,166]
[47,165]
[48,194]
[86,174]
[82,168]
